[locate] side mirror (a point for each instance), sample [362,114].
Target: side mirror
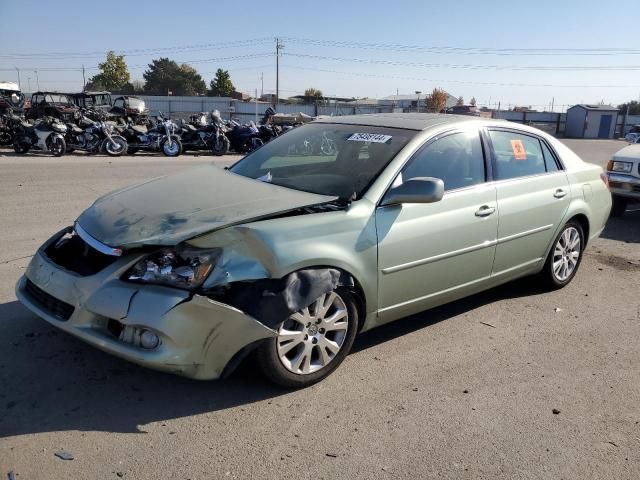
[416,190]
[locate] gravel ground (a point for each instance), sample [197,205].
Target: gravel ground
[550,388]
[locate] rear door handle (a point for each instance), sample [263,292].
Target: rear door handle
[559,193]
[485,211]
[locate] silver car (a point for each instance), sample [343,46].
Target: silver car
[299,247]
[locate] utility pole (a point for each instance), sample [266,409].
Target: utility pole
[37,79]
[19,86]
[84,80]
[553,100]
[279,46]
[29,83]
[261,84]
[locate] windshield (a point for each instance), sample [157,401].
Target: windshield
[329,159]
[57,98]
[136,103]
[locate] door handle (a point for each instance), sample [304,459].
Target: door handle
[559,193]
[485,211]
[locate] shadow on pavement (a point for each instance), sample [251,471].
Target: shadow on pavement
[53,382]
[626,228]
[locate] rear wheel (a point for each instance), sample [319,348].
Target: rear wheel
[116,146]
[20,148]
[618,206]
[172,149]
[565,256]
[312,342]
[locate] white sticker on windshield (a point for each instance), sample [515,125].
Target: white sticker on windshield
[370,137]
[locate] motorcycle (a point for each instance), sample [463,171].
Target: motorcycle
[94,136]
[9,123]
[160,137]
[200,135]
[243,138]
[47,134]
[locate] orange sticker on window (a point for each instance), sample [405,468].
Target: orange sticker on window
[518,150]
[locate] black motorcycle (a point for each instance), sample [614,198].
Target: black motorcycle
[94,136]
[163,136]
[199,135]
[47,134]
[243,138]
[9,124]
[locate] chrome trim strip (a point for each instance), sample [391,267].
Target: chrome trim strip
[442,256]
[462,251]
[92,242]
[524,234]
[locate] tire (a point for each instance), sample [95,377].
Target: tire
[20,148]
[618,206]
[116,150]
[171,150]
[221,147]
[565,257]
[279,363]
[57,146]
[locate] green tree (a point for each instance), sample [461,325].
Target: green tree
[312,95]
[221,85]
[460,101]
[164,77]
[634,107]
[473,101]
[114,74]
[437,100]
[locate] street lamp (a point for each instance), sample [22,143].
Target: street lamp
[418,92]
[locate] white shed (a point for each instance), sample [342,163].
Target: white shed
[591,121]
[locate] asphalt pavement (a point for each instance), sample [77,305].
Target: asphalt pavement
[511,383]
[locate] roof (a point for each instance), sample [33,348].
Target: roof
[602,108]
[410,121]
[9,86]
[82,94]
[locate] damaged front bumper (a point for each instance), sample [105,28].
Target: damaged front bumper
[198,336]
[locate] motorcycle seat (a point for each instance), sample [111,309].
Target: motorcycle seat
[139,129]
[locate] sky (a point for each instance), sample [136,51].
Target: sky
[500,52]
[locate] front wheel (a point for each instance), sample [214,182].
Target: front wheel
[618,206]
[172,149]
[20,148]
[57,146]
[220,146]
[312,342]
[115,146]
[565,256]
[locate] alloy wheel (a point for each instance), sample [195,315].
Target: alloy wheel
[310,338]
[566,254]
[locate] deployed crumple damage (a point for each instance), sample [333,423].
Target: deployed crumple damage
[169,210]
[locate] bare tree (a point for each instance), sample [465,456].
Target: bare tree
[460,101]
[472,101]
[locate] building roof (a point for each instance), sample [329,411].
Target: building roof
[410,121]
[602,108]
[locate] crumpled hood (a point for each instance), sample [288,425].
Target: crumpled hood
[168,210]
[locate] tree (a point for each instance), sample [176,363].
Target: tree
[312,95]
[437,100]
[164,77]
[472,101]
[221,85]
[114,74]
[634,107]
[460,101]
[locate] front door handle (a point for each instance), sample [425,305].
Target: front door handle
[559,193]
[485,211]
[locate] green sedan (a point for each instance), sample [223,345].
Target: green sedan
[332,229]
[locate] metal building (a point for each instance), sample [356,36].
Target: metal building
[591,121]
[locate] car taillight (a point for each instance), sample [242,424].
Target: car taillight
[605,179]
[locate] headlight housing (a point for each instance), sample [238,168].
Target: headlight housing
[182,267]
[618,166]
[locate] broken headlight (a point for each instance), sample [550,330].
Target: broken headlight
[185,267]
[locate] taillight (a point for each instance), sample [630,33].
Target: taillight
[605,178]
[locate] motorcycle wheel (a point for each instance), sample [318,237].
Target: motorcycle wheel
[57,146]
[171,150]
[221,147]
[116,147]
[20,148]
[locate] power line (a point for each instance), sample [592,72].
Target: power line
[467,82]
[466,66]
[464,50]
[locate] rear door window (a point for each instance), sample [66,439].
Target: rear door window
[516,155]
